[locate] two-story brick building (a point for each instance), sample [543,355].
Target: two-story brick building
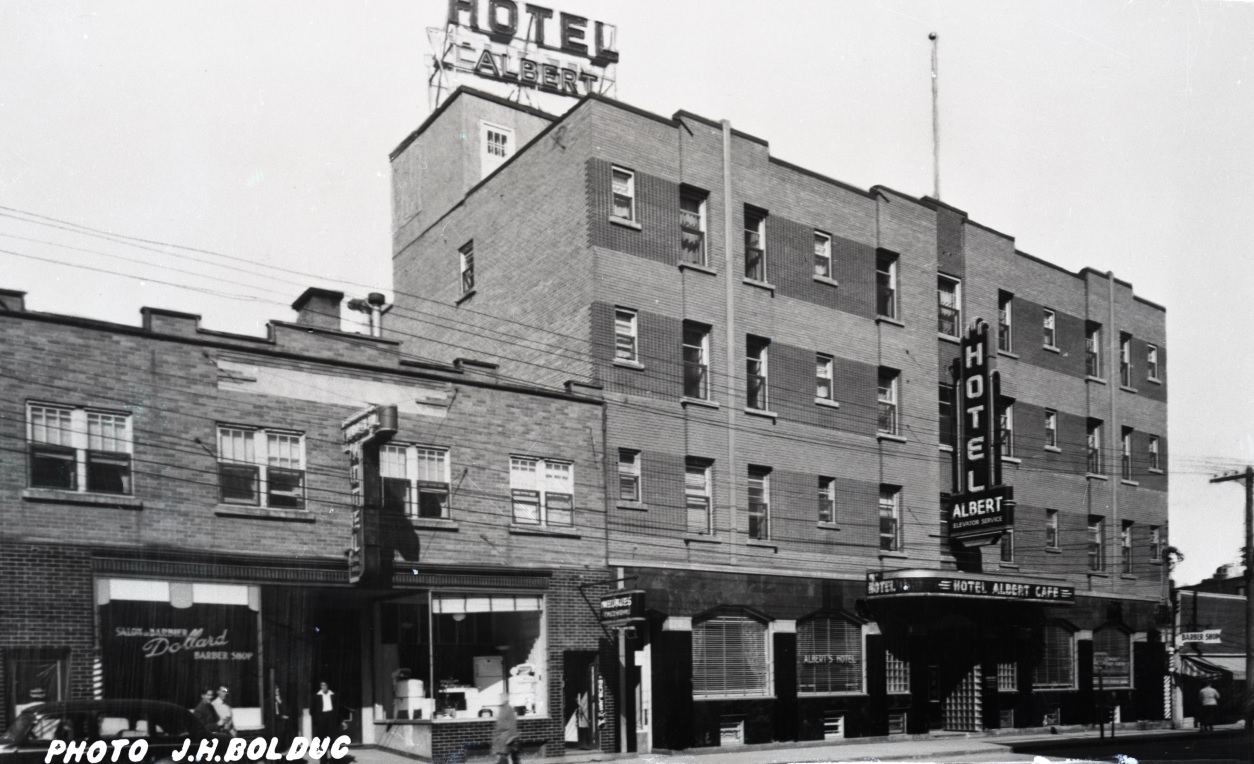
[178,505]
[774,347]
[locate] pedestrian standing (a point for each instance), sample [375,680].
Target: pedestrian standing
[205,712]
[506,742]
[226,715]
[1209,697]
[325,723]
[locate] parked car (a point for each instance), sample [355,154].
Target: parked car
[165,727]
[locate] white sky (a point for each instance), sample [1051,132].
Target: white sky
[1117,135]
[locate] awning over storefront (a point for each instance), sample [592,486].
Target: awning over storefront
[1213,666]
[894,584]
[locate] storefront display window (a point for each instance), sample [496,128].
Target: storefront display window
[1056,668]
[729,657]
[829,655]
[1112,658]
[36,675]
[485,650]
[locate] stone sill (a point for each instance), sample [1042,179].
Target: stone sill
[762,544]
[1055,449]
[831,404]
[632,506]
[1127,389]
[1125,481]
[700,538]
[625,223]
[698,268]
[887,320]
[1155,471]
[948,338]
[887,555]
[1051,348]
[947,449]
[826,280]
[1052,550]
[54,495]
[760,285]
[541,530]
[1012,459]
[1008,565]
[434,523]
[628,364]
[1097,574]
[1095,476]
[890,437]
[764,413]
[828,526]
[1008,353]
[686,401]
[1154,380]
[1098,380]
[265,513]
[465,296]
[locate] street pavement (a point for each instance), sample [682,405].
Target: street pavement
[1225,746]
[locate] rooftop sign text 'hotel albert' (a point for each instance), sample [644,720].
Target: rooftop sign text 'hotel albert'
[527,45]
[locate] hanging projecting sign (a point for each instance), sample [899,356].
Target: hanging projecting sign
[982,506]
[524,45]
[622,607]
[363,433]
[1207,637]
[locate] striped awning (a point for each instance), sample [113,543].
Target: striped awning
[1213,666]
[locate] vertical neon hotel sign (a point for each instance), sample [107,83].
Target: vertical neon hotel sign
[528,45]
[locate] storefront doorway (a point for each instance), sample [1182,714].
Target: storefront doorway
[581,701]
[337,661]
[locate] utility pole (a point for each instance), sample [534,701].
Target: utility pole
[1248,478]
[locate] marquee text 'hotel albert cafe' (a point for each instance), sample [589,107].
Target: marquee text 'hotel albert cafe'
[665,441]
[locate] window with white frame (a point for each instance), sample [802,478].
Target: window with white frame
[261,467]
[824,389]
[498,146]
[1125,453]
[1125,359]
[1156,543]
[1051,330]
[757,352]
[1051,528]
[896,664]
[1097,543]
[730,657]
[1051,428]
[415,480]
[1007,673]
[1005,322]
[948,306]
[628,475]
[829,655]
[625,336]
[1056,668]
[827,499]
[759,495]
[697,498]
[1125,548]
[1151,362]
[822,255]
[79,449]
[624,191]
[1094,437]
[466,262]
[1093,350]
[889,421]
[890,518]
[886,285]
[945,419]
[755,244]
[692,225]
[542,490]
[1006,426]
[696,360]
[1155,462]
[1008,546]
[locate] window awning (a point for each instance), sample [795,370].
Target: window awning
[1213,666]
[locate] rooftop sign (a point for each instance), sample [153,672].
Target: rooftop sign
[524,46]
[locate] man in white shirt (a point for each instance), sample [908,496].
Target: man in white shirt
[222,705]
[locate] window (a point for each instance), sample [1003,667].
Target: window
[1125,548]
[759,502]
[628,475]
[1093,349]
[888,419]
[624,189]
[1125,453]
[886,285]
[1005,322]
[697,495]
[890,514]
[1007,675]
[1051,528]
[1125,359]
[1151,362]
[542,491]
[506,632]
[1154,462]
[415,480]
[756,370]
[1008,546]
[755,244]
[822,255]
[1112,658]
[1051,428]
[692,223]
[946,421]
[1156,543]
[1097,543]
[1056,668]
[1051,330]
[1095,446]
[498,146]
[896,664]
[261,467]
[75,449]
[466,256]
[1006,426]
[625,348]
[696,361]
[949,306]
[823,387]
[829,655]
[730,657]
[827,500]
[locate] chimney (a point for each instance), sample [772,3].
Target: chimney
[12,301]
[319,308]
[374,306]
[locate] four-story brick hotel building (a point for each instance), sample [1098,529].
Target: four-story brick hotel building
[774,348]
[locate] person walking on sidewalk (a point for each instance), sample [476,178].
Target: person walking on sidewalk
[506,741]
[1209,698]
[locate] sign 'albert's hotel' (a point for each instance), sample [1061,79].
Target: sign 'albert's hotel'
[666,441]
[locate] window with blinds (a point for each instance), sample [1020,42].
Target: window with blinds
[896,664]
[1112,657]
[829,655]
[1057,665]
[729,657]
